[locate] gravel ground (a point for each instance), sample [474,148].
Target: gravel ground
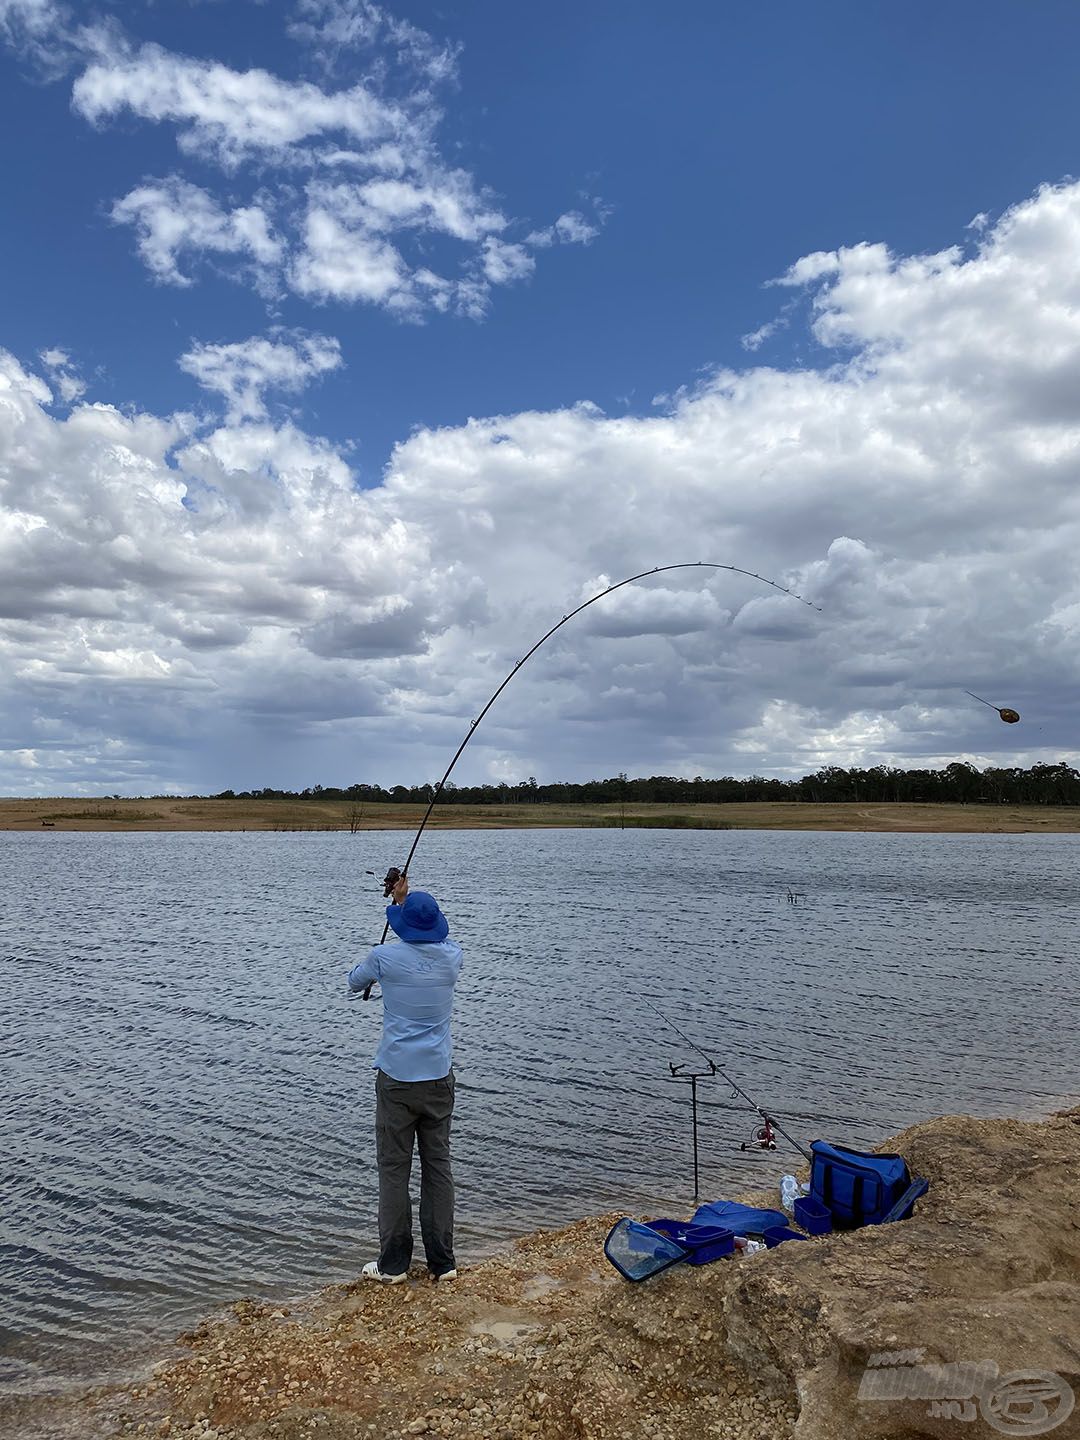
[543,1341]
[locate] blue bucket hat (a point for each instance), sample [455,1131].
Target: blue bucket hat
[419,920]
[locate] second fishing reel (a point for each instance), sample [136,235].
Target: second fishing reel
[762,1137]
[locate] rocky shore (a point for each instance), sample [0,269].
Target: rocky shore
[546,1340]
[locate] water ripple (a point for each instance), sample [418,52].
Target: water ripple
[188,1095]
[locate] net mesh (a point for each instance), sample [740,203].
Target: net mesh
[638,1252]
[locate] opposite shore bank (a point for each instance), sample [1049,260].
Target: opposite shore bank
[545,1340]
[179,814]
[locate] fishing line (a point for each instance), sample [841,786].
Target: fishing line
[630,580]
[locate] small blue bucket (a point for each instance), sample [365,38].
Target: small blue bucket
[813,1216]
[777,1234]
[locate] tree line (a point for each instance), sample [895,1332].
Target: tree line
[958,783]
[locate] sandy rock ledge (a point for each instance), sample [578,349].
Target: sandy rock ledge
[547,1341]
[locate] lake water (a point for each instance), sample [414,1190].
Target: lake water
[187,1102]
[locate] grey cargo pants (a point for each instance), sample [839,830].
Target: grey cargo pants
[404,1109]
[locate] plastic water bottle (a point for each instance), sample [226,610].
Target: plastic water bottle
[789,1190]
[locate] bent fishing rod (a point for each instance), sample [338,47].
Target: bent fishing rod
[768,1117]
[630,580]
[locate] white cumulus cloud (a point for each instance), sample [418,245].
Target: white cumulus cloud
[504,263]
[340,260]
[162,579]
[569,229]
[64,374]
[335,28]
[173,218]
[34,28]
[231,116]
[244,370]
[333,190]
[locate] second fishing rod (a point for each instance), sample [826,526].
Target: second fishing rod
[768,1117]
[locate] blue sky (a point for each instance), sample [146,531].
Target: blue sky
[722,141]
[397,218]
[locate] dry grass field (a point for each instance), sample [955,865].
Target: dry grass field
[181,814]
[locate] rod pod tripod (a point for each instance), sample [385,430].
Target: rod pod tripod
[680,1072]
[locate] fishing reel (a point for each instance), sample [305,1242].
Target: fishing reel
[763,1137]
[389,880]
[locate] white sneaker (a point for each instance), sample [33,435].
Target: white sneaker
[446,1275]
[371,1271]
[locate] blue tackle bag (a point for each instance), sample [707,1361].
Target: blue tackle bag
[859,1188]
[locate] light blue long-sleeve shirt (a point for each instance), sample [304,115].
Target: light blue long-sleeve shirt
[418,995]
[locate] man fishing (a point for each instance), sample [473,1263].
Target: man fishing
[414,1083]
